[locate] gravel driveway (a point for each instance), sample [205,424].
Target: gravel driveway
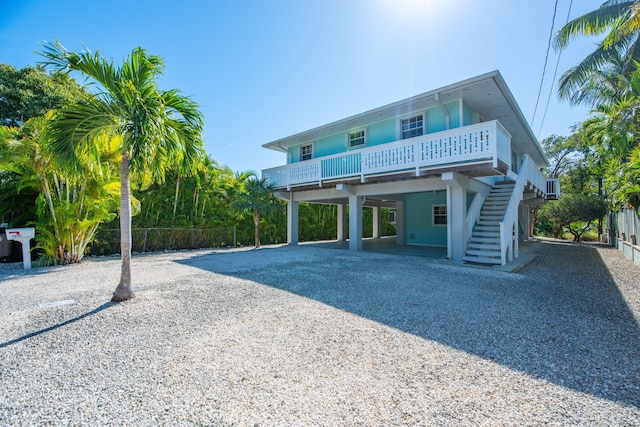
[315,336]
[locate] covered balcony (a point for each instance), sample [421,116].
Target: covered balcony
[482,149]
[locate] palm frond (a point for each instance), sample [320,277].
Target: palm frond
[592,23]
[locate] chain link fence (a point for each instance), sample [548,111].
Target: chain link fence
[107,241]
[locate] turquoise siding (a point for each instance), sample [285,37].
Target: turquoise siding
[436,120]
[468,115]
[330,145]
[419,226]
[382,132]
[294,154]
[387,131]
[454,113]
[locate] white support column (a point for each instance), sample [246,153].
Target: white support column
[457,232]
[376,222]
[292,221]
[400,239]
[342,223]
[355,223]
[456,221]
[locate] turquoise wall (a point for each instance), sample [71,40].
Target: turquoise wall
[382,132]
[387,131]
[468,115]
[330,145]
[454,113]
[436,120]
[419,226]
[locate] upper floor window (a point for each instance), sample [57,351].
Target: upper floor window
[413,126]
[306,152]
[356,138]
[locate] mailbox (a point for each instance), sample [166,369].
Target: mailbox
[24,236]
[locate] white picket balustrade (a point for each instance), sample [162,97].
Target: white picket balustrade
[474,143]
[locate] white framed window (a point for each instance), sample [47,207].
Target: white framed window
[439,215]
[306,152]
[412,126]
[356,138]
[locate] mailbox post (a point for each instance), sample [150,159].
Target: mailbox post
[24,236]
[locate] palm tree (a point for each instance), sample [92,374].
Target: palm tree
[256,198]
[604,73]
[155,127]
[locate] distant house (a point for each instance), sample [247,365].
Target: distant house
[459,166]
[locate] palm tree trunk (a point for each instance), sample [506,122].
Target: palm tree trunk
[124,292]
[175,201]
[256,222]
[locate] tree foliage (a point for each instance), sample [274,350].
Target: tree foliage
[70,204]
[156,129]
[574,212]
[257,199]
[31,92]
[600,77]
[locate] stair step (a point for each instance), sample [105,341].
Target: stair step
[484,252]
[486,228]
[486,234]
[483,246]
[495,223]
[506,182]
[482,260]
[484,239]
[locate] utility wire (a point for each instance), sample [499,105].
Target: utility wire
[554,75]
[546,57]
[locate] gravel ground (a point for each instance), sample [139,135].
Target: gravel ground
[316,336]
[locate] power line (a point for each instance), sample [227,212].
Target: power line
[554,75]
[546,57]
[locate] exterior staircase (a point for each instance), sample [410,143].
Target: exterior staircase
[484,245]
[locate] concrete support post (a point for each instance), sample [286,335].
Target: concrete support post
[342,223]
[292,222]
[376,222]
[355,223]
[456,221]
[400,237]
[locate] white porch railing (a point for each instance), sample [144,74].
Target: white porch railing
[477,143]
[529,176]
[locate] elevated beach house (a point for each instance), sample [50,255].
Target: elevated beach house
[459,166]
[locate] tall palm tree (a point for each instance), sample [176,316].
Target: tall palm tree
[604,72]
[256,198]
[155,127]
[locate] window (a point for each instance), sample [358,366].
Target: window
[439,214]
[306,152]
[356,138]
[413,126]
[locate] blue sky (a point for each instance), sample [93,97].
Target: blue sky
[263,70]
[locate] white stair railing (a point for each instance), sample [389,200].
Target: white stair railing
[529,175]
[508,227]
[473,213]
